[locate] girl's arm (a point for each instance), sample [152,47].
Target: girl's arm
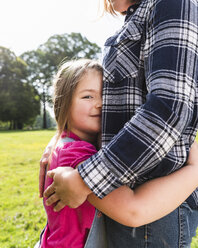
[152,200]
[43,164]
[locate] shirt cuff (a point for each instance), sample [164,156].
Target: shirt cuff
[96,174]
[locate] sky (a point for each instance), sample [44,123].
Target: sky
[26,24]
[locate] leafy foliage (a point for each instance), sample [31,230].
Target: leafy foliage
[19,100]
[27,79]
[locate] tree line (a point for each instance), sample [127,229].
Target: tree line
[26,80]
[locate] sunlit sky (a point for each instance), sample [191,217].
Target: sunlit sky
[25,24]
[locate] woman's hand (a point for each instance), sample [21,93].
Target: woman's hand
[67,188]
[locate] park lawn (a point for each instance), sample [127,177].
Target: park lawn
[22,216]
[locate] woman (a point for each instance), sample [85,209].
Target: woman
[150,106]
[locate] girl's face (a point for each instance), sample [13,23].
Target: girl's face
[120,5]
[85,111]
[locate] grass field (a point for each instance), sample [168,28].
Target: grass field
[21,212]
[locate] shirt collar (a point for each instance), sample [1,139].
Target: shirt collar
[70,135]
[132,9]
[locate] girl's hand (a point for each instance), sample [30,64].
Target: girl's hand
[193,155]
[43,168]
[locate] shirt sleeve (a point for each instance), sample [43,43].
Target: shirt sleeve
[171,62]
[73,153]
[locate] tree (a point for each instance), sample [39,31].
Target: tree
[43,62]
[19,100]
[38,124]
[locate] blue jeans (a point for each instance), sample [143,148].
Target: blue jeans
[97,234]
[173,231]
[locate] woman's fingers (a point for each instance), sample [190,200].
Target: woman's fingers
[51,173]
[52,199]
[49,193]
[60,205]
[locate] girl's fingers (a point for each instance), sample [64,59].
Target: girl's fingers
[42,178]
[43,166]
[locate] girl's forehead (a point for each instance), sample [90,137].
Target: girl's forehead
[91,80]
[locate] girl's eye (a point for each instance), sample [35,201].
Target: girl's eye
[87,97]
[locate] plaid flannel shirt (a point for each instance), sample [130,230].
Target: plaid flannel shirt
[150,97]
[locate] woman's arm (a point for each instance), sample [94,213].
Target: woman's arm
[152,200]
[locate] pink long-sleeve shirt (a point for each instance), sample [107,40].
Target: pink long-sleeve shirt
[69,227]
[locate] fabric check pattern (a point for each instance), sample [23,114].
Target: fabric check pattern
[150,97]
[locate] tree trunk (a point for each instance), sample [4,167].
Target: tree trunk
[11,125]
[19,125]
[15,125]
[44,111]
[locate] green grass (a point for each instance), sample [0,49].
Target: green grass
[22,216]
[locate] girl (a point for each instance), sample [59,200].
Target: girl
[77,107]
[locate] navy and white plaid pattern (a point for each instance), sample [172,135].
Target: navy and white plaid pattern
[150,97]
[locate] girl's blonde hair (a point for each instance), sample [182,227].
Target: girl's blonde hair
[65,82]
[109,8]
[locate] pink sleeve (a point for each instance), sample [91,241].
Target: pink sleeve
[73,153]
